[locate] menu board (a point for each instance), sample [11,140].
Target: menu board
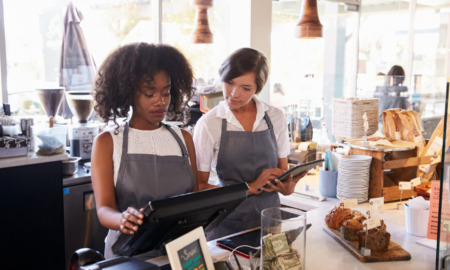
[433,221]
[191,257]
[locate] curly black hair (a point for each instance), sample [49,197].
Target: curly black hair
[120,74]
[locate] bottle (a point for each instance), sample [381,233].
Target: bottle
[289,122]
[323,142]
[293,120]
[298,127]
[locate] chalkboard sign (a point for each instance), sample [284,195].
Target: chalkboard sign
[191,257]
[190,252]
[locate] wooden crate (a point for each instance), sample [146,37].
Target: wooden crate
[388,168]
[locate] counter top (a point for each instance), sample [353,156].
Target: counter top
[30,159]
[82,176]
[322,250]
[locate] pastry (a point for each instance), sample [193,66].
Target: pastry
[422,190]
[350,228]
[336,217]
[377,239]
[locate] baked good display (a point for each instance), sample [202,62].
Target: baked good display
[358,241]
[350,229]
[336,217]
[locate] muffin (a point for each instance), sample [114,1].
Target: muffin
[350,229]
[377,239]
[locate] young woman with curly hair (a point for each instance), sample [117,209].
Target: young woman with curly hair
[144,159]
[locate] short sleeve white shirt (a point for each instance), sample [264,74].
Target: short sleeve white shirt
[208,131]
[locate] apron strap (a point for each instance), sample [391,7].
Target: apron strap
[124,151]
[222,141]
[272,132]
[177,138]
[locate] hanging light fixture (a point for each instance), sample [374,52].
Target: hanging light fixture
[201,33]
[309,25]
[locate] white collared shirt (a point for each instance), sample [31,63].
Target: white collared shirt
[208,130]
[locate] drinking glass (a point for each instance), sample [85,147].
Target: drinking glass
[283,238]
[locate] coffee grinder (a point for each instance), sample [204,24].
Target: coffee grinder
[81,134]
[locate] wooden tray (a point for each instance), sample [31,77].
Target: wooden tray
[394,253]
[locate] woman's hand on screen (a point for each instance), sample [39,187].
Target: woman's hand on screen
[263,178]
[287,187]
[130,220]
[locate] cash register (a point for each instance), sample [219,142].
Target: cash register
[164,221]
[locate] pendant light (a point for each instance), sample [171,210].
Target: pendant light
[309,25]
[201,33]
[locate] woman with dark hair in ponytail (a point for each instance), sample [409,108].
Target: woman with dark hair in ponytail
[244,140]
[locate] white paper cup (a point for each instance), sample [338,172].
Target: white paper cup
[416,221]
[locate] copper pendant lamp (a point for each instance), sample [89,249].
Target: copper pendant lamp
[201,33]
[309,25]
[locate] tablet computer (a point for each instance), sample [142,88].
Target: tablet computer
[242,244]
[295,171]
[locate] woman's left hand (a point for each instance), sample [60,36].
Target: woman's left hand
[287,187]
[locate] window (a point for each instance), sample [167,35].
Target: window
[387,38]
[177,25]
[34,38]
[312,71]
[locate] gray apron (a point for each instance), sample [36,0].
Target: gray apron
[147,177]
[242,158]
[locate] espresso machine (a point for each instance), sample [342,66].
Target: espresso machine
[81,132]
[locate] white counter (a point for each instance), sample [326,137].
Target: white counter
[323,252]
[30,159]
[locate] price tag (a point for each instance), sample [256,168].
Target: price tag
[350,203]
[436,159]
[446,225]
[424,168]
[436,146]
[373,209]
[416,181]
[404,185]
[418,139]
[377,201]
[372,222]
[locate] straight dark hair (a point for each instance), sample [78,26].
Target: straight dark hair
[243,61]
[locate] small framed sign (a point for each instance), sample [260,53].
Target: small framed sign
[190,251]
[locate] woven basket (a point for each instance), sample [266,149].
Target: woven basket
[348,117]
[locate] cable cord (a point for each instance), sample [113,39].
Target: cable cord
[238,266]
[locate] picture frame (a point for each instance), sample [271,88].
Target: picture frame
[190,251]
